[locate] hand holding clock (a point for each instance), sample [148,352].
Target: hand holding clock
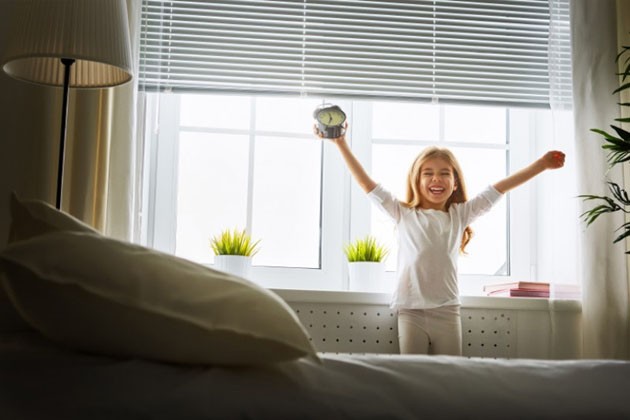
[331,124]
[336,140]
[329,121]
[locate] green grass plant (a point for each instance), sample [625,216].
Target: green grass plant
[365,249]
[234,242]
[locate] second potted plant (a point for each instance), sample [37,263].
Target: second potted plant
[366,267]
[233,250]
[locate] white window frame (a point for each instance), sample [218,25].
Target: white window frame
[161,206]
[345,209]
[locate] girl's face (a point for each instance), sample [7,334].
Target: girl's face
[437,183]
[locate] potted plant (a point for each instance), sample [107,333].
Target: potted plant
[233,250]
[618,147]
[366,268]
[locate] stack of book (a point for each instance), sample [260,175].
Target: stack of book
[518,289]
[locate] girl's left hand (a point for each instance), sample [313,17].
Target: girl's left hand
[553,159]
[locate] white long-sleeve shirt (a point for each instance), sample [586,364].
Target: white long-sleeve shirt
[428,247]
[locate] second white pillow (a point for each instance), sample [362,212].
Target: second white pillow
[103,295]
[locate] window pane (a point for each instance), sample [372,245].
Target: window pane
[215,111]
[390,164]
[487,251]
[211,190]
[287,190]
[474,124]
[285,115]
[405,121]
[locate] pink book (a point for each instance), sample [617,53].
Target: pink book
[520,293]
[519,285]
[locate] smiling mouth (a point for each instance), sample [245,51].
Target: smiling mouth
[437,190]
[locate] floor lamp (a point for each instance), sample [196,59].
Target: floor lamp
[69,44]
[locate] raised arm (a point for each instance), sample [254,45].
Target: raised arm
[359,174]
[550,160]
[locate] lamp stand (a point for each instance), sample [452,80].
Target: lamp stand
[67,63]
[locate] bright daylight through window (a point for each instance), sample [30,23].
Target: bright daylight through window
[229,141]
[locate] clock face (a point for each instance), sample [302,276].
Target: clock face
[331,116]
[330,121]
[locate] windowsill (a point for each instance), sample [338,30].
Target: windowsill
[483,302]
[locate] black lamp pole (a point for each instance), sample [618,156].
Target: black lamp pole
[67,62]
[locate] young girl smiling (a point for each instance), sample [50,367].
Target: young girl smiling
[433,229]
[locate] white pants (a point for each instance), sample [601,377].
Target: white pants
[430,331]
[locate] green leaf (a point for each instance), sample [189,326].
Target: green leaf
[609,206]
[619,193]
[622,87]
[603,133]
[589,197]
[615,143]
[616,158]
[625,234]
[623,134]
[622,52]
[623,120]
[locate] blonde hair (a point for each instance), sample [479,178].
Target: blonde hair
[414,197]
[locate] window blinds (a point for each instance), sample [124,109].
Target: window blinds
[483,52]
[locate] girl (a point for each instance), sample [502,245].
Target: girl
[432,226]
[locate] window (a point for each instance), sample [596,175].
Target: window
[230,88]
[224,161]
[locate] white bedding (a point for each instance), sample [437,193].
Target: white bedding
[39,380]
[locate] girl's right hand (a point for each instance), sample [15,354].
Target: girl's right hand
[336,140]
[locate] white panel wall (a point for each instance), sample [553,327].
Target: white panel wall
[347,322]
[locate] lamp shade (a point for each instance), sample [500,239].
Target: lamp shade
[94,33]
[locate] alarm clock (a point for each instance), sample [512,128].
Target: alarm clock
[330,120]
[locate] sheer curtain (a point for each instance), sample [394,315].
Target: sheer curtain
[602,265]
[102,173]
[557,214]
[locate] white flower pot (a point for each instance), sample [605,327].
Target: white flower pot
[367,277]
[238,265]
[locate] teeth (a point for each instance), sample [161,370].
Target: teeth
[436,189]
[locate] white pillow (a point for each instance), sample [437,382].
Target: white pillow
[102,295]
[30,218]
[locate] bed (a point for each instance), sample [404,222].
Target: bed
[96,328]
[42,380]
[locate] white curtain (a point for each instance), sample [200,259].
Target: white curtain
[601,265]
[101,171]
[557,211]
[102,175]
[124,192]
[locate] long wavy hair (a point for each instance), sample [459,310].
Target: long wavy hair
[414,197]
